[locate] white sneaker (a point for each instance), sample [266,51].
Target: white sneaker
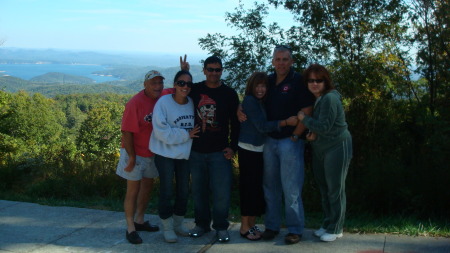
[330,237]
[320,232]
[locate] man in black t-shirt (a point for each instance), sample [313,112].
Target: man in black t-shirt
[215,107]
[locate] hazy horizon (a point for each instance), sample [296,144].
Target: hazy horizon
[34,55]
[120,26]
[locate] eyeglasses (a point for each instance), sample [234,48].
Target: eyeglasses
[182,83]
[315,80]
[214,69]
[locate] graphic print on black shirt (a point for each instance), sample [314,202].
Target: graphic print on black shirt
[206,114]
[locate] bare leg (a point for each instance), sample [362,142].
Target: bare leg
[244,224]
[143,198]
[248,222]
[130,203]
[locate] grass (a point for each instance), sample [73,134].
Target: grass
[355,223]
[405,225]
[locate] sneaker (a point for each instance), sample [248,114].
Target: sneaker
[198,231]
[330,237]
[320,232]
[292,238]
[146,226]
[133,237]
[223,236]
[269,234]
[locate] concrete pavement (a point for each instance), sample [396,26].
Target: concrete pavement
[28,227]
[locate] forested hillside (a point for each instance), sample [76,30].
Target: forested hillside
[61,147]
[61,78]
[13,84]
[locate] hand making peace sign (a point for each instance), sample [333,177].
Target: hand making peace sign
[184,65]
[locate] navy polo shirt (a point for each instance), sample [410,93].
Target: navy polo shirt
[286,99]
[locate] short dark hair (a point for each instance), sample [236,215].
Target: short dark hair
[322,72]
[282,48]
[180,73]
[212,59]
[255,79]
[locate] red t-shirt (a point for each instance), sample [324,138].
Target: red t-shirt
[137,119]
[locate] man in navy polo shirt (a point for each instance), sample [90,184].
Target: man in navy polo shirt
[283,150]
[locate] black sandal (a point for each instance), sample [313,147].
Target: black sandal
[250,232]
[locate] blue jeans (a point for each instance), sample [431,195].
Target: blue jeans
[168,168]
[211,175]
[284,173]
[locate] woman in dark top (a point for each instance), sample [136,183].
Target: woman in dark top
[332,149]
[250,147]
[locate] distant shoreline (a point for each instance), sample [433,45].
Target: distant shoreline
[28,71]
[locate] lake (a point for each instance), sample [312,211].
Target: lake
[28,71]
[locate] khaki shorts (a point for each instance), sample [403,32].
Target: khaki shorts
[145,167]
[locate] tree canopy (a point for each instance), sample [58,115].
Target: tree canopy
[372,48]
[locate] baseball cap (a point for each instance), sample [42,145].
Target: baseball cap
[152,74]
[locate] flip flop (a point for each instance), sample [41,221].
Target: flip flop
[250,232]
[256,230]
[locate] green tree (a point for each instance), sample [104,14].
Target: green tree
[432,35]
[431,118]
[34,120]
[99,136]
[248,51]
[31,130]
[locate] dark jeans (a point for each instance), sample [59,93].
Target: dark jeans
[168,168]
[211,175]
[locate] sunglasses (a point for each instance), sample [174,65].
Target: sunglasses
[315,80]
[283,47]
[214,69]
[182,83]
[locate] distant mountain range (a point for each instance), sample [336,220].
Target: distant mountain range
[130,69]
[162,60]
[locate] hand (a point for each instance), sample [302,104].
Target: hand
[194,131]
[130,165]
[300,115]
[292,121]
[184,65]
[311,136]
[228,153]
[240,114]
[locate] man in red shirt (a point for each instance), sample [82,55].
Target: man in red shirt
[136,163]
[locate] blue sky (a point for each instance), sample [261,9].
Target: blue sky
[168,26]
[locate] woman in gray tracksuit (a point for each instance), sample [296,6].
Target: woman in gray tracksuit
[332,149]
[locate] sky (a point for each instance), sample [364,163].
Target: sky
[163,26]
